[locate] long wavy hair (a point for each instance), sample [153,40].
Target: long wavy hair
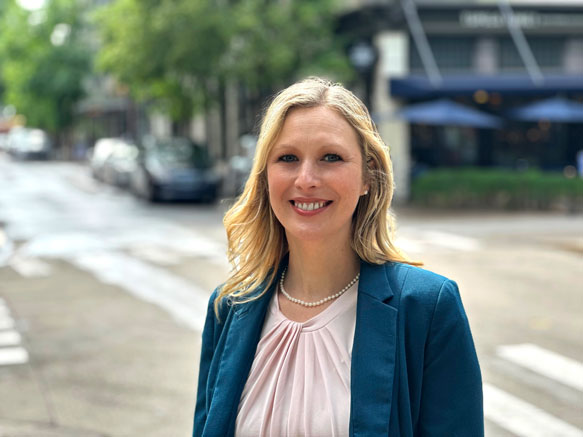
[256,239]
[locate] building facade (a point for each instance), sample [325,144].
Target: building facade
[492,56]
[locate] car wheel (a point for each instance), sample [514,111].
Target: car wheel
[152,193]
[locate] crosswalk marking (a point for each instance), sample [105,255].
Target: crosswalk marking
[186,302]
[13,355]
[30,267]
[6,322]
[522,418]
[452,241]
[9,338]
[550,364]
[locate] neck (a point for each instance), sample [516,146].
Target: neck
[316,271]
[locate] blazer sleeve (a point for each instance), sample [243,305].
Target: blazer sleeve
[451,394]
[206,356]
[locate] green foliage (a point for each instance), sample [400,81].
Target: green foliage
[493,188]
[177,53]
[276,42]
[43,79]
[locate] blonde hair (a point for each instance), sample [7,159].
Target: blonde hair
[256,239]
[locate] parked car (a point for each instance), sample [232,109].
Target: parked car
[101,151]
[175,169]
[120,163]
[26,143]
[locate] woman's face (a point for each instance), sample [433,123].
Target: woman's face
[314,173]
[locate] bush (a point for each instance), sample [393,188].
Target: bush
[494,188]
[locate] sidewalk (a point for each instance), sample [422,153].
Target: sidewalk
[100,362]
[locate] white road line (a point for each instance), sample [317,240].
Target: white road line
[156,255]
[6,322]
[451,241]
[550,364]
[409,245]
[522,418]
[9,338]
[30,267]
[6,248]
[186,302]
[13,355]
[549,387]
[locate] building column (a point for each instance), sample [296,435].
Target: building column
[393,61]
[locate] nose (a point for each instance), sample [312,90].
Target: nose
[307,176]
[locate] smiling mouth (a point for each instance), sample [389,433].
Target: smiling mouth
[310,206]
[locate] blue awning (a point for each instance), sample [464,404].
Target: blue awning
[444,112]
[420,87]
[556,109]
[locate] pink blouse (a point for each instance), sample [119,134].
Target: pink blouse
[299,383]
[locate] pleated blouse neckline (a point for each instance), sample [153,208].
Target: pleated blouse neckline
[337,307]
[299,383]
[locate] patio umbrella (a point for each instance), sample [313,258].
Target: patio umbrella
[445,112]
[556,109]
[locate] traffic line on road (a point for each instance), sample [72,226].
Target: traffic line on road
[547,363]
[9,338]
[13,355]
[6,248]
[186,302]
[451,241]
[417,241]
[4,311]
[6,322]
[30,267]
[522,418]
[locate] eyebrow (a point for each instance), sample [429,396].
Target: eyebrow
[323,146]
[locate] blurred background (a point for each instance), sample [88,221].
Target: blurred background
[128,127]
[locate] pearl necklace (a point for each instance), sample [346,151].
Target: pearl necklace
[319,302]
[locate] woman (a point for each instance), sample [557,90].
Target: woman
[324,328]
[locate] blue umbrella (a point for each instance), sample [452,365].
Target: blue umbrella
[445,112]
[556,109]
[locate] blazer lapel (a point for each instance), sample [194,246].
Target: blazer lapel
[238,354]
[373,353]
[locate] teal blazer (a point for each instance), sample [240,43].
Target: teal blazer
[414,368]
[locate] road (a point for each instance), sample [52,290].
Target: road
[102,299]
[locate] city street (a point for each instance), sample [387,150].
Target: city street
[103,298]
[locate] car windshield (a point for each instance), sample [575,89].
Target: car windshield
[182,152]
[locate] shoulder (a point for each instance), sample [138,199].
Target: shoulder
[415,281]
[421,292]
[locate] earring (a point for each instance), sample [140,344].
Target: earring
[365,192]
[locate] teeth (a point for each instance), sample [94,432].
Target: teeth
[309,206]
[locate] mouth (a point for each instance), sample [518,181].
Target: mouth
[310,206]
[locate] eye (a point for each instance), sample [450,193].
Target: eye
[332,157]
[287,158]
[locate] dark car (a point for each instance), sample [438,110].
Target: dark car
[175,169]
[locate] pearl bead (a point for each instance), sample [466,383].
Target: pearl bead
[319,302]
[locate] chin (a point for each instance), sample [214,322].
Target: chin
[323,235]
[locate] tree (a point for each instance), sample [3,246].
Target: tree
[166,51]
[277,42]
[180,53]
[44,60]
